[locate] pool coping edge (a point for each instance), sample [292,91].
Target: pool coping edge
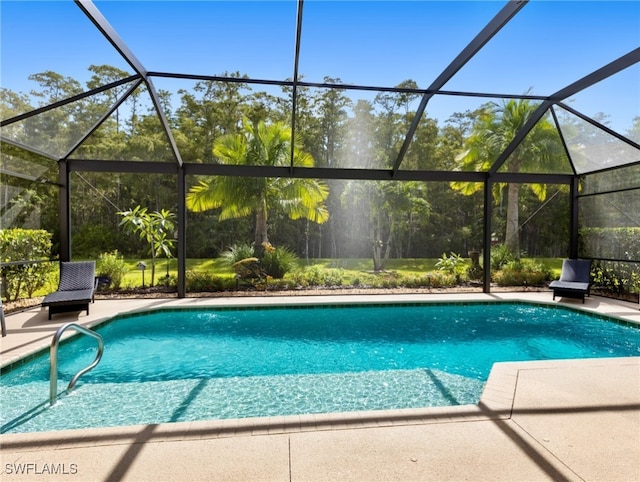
[496,403]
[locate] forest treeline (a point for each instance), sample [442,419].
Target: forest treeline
[411,219]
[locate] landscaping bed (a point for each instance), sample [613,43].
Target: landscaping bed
[162,292]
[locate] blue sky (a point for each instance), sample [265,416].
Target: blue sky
[546,46]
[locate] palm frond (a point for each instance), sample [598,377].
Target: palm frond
[263,145]
[202,197]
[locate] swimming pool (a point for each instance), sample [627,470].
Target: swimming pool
[185,364]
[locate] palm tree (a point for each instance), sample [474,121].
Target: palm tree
[260,145]
[155,228]
[493,130]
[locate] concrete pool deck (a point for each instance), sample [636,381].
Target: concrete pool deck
[552,420]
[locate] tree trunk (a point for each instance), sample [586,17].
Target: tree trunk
[261,228]
[374,235]
[306,242]
[387,251]
[512,236]
[153,267]
[381,248]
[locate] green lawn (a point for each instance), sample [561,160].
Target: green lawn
[350,268]
[133,277]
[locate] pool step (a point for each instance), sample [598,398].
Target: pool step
[111,404]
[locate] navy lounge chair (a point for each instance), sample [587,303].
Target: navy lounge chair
[575,281]
[76,288]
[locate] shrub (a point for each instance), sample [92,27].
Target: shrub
[452,264]
[616,278]
[501,255]
[203,282]
[18,244]
[614,243]
[169,281]
[436,279]
[475,271]
[522,273]
[310,276]
[113,266]
[272,262]
[413,282]
[238,252]
[439,279]
[277,262]
[282,284]
[389,283]
[333,277]
[316,276]
[89,240]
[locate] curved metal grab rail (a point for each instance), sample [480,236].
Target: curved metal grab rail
[53,360]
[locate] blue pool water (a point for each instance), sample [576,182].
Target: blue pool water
[183,364]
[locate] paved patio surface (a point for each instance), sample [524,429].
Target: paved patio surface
[552,420]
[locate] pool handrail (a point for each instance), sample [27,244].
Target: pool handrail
[53,359]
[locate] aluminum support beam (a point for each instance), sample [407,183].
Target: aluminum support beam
[597,124]
[487,33]
[573,218]
[68,100]
[64,211]
[141,167]
[182,234]
[104,117]
[163,121]
[371,174]
[92,165]
[294,91]
[112,36]
[596,76]
[33,150]
[486,249]
[608,70]
[101,23]
[565,147]
[520,136]
[331,85]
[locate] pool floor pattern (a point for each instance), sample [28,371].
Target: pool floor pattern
[117,404]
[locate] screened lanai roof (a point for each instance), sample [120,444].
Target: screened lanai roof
[577,61]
